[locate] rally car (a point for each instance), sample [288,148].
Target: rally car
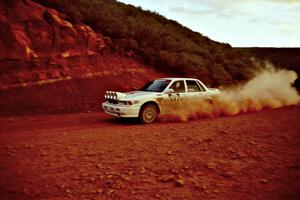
[155,97]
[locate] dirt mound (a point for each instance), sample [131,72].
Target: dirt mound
[48,64]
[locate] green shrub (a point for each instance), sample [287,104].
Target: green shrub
[163,43]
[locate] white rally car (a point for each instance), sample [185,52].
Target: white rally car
[155,97]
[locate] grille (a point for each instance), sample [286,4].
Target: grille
[113,101]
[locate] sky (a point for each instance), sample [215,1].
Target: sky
[241,23]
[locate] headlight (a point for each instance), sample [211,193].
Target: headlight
[111,95]
[107,96]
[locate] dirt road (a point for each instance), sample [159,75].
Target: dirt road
[94,156]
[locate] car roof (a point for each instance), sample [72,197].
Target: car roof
[173,78]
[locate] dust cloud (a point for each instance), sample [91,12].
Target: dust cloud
[270,88]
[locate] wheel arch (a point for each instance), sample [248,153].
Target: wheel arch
[209,100]
[151,103]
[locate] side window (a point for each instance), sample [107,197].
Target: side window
[192,86]
[178,86]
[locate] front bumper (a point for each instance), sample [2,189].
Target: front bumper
[121,110]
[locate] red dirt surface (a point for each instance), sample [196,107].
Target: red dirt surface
[94,156]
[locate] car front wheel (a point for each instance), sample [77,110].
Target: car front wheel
[148,114]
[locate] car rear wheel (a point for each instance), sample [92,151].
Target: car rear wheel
[148,114]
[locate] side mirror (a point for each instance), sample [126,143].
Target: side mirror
[169,91]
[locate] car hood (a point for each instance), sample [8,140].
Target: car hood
[139,95]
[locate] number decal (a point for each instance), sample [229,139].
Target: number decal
[174,97]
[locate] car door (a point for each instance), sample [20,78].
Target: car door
[195,92]
[173,100]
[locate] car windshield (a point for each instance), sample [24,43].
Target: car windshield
[155,86]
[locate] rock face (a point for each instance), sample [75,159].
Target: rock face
[43,56]
[30,31]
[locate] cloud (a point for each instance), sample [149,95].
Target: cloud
[295,10]
[213,12]
[230,4]
[265,20]
[190,11]
[238,22]
[286,1]
[217,3]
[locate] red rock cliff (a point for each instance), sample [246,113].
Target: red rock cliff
[42,54]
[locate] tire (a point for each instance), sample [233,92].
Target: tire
[148,114]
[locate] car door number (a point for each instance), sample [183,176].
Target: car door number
[174,97]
